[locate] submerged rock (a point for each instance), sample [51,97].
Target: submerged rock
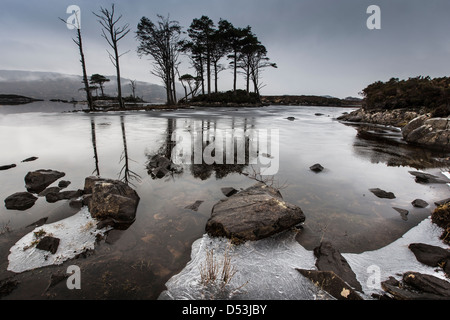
[194,206]
[382,194]
[403,212]
[37,181]
[422,177]
[20,201]
[64,195]
[255,213]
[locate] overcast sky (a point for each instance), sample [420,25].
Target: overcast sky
[321,47]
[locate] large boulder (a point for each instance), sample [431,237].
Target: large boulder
[111,199]
[252,214]
[330,259]
[428,132]
[20,201]
[37,181]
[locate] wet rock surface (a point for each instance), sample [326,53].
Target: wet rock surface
[428,132]
[330,259]
[49,244]
[111,199]
[430,255]
[20,201]
[417,286]
[37,181]
[6,167]
[331,283]
[382,194]
[255,213]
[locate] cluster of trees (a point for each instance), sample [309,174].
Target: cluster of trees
[210,49]
[207,46]
[417,92]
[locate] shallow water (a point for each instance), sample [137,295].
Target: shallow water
[135,263]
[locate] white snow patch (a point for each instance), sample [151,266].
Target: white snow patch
[77,234]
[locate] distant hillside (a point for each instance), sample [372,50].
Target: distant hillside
[10,99]
[50,85]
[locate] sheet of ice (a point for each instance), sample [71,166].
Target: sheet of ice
[266,268]
[76,233]
[395,258]
[269,267]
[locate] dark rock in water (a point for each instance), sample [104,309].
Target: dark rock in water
[382,194]
[195,205]
[330,259]
[255,213]
[403,213]
[316,168]
[7,286]
[49,190]
[112,199]
[48,243]
[229,191]
[428,284]
[430,255]
[442,202]
[20,201]
[291,118]
[158,167]
[38,223]
[64,195]
[403,292]
[422,177]
[6,167]
[419,203]
[37,181]
[30,159]
[63,184]
[331,283]
[318,114]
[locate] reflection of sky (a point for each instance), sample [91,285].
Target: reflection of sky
[321,47]
[338,195]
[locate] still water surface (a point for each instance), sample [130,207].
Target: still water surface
[136,262]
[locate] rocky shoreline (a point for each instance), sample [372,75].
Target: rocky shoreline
[418,126]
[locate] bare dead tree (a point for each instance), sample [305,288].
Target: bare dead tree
[79,42]
[113,34]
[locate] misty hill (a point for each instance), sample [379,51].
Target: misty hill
[51,85]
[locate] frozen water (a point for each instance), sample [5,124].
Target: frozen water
[77,234]
[267,267]
[265,270]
